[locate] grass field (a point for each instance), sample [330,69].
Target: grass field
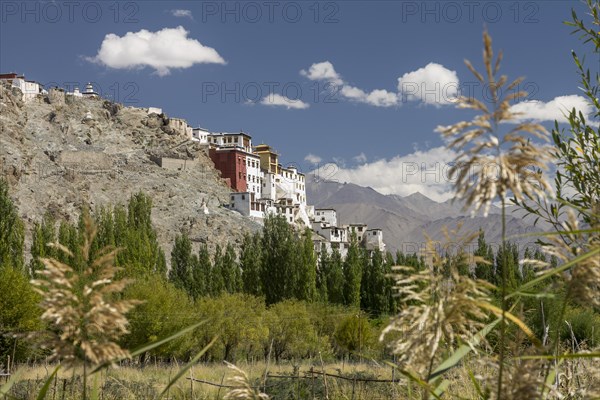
[284,381]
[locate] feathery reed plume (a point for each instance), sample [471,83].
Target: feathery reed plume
[242,390]
[583,278]
[440,304]
[81,305]
[487,166]
[523,379]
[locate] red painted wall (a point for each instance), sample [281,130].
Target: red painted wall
[232,164]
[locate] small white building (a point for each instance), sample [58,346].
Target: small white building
[30,89]
[200,135]
[358,229]
[332,233]
[248,205]
[373,240]
[154,110]
[327,215]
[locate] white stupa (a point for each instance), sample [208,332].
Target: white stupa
[89,91]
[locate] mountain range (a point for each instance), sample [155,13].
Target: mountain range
[406,220]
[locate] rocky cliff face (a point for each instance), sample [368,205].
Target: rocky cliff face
[59,153]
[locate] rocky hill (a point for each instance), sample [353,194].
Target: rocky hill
[405,219]
[59,152]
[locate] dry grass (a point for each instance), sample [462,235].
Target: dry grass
[135,383]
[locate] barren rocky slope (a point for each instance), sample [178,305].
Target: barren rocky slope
[56,159]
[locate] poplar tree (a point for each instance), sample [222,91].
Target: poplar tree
[278,264]
[484,271]
[181,263]
[44,233]
[12,232]
[250,263]
[201,273]
[321,278]
[334,275]
[231,271]
[352,274]
[307,269]
[217,284]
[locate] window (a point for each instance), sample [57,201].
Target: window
[243,197]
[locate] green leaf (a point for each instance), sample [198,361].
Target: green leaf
[42,394]
[183,370]
[462,351]
[8,385]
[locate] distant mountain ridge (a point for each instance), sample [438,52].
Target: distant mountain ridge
[404,220]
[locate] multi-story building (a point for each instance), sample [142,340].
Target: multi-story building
[30,89]
[254,175]
[232,164]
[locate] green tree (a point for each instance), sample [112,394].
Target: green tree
[508,256]
[143,253]
[250,262]
[291,332]
[279,261]
[354,334]
[374,285]
[321,278]
[12,232]
[19,312]
[181,263]
[352,274]
[230,270]
[307,279]
[44,233]
[236,319]
[217,284]
[389,282]
[484,270]
[334,276]
[201,268]
[165,311]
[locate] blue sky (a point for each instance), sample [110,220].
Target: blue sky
[217,70]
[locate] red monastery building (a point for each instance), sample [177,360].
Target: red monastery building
[232,164]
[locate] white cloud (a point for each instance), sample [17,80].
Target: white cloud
[556,109]
[162,50]
[433,84]
[361,158]
[279,100]
[182,13]
[313,159]
[382,98]
[421,171]
[322,71]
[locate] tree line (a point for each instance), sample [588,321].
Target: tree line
[248,294]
